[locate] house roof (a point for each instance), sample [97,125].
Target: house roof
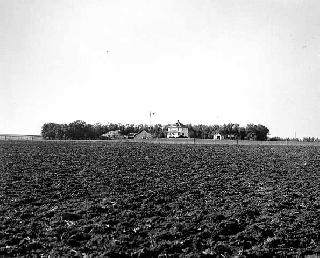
[178,124]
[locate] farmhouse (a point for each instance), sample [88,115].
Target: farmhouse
[143,135]
[177,130]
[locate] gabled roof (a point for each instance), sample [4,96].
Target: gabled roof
[142,132]
[178,124]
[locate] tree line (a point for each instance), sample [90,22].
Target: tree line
[80,130]
[229,131]
[304,139]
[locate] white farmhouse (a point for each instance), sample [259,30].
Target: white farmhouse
[177,130]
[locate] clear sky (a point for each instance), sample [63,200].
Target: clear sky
[199,61]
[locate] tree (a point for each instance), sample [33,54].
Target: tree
[128,128]
[60,131]
[229,131]
[251,132]
[262,132]
[257,132]
[191,131]
[48,131]
[157,131]
[77,130]
[98,130]
[241,133]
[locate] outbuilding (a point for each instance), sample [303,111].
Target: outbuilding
[143,135]
[217,136]
[20,137]
[112,135]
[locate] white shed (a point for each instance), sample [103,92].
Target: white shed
[217,136]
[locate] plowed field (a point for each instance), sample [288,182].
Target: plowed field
[144,200]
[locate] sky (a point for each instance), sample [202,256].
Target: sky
[199,61]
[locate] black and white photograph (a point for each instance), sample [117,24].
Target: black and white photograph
[160,128]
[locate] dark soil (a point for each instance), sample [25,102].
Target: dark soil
[149,200]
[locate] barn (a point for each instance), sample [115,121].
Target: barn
[143,135]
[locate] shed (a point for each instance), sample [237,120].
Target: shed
[217,136]
[131,135]
[112,135]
